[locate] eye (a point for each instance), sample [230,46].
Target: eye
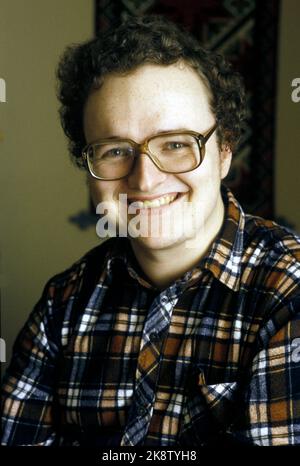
[116,152]
[175,145]
[107,151]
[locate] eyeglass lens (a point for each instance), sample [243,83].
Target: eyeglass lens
[172,153]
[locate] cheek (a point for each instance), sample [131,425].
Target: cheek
[104,190]
[205,178]
[196,179]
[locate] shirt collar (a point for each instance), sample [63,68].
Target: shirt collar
[223,260]
[121,252]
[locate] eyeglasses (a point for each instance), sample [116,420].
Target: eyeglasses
[171,152]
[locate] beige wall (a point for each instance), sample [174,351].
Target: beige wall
[37,239]
[287,169]
[40,188]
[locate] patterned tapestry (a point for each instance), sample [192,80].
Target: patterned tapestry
[245,31]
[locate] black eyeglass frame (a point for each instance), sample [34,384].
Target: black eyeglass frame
[143,148]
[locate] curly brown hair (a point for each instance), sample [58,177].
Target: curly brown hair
[147,39]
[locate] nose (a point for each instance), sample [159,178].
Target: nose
[145,175]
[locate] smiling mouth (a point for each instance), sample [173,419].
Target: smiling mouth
[155,203]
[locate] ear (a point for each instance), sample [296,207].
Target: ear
[225,160]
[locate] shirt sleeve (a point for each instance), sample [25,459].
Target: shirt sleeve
[27,392]
[273,395]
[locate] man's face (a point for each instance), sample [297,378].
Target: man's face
[148,101]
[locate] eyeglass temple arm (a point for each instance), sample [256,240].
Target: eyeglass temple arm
[208,135]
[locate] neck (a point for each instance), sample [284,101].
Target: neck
[162,266]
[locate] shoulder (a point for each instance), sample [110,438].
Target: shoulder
[270,266]
[91,262]
[67,292]
[268,236]
[271,261]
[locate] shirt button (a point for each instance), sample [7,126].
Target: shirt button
[141,410]
[164,300]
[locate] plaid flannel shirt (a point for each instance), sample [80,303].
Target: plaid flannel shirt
[106,358]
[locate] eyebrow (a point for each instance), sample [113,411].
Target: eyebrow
[179,130]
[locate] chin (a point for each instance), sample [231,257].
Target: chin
[159,243]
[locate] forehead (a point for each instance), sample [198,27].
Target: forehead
[151,96]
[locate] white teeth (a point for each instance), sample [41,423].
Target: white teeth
[138,204]
[155,203]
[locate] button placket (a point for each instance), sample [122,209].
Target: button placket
[156,326]
[144,395]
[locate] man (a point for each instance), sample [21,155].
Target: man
[188,337]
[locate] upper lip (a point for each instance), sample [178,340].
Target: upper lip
[150,198]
